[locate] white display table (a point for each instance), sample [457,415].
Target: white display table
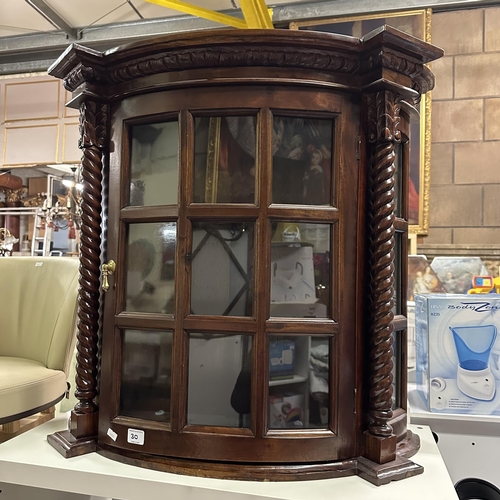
[469,444]
[30,461]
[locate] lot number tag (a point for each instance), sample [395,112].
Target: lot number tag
[135,436]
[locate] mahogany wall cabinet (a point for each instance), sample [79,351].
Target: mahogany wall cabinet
[242,306]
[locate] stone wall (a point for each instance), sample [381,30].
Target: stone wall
[465,155]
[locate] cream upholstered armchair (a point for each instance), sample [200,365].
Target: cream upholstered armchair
[38,306]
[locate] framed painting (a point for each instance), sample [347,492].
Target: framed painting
[416,23]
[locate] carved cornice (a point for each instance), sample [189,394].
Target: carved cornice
[82,74]
[421,75]
[389,59]
[302,50]
[424,81]
[201,58]
[220,57]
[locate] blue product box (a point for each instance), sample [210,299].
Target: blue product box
[458,352]
[281,359]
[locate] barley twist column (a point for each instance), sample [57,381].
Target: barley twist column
[383,113]
[93,123]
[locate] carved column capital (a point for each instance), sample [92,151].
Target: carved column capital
[383,116]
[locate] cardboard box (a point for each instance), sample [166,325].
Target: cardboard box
[292,274]
[281,359]
[458,352]
[286,411]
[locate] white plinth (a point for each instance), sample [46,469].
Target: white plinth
[30,461]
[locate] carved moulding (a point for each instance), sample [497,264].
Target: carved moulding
[318,53]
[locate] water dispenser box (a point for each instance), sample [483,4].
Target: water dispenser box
[458,352]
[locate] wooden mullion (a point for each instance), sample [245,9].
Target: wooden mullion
[229,211]
[299,326]
[182,290]
[337,271]
[144,321]
[220,324]
[311,213]
[148,214]
[260,349]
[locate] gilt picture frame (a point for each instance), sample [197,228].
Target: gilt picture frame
[417,23]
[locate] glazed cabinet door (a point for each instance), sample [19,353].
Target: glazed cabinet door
[230,326]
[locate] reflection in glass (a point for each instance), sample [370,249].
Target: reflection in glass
[398,271]
[224,161]
[302,161]
[222,269]
[154,164]
[414,187]
[396,370]
[220,371]
[149,281]
[398,179]
[146,375]
[300,270]
[299,379]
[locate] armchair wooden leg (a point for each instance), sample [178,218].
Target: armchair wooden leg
[13,429]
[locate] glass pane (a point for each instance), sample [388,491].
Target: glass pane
[149,280]
[396,370]
[410,332]
[146,375]
[299,376]
[414,176]
[398,272]
[222,269]
[398,178]
[302,161]
[154,164]
[220,372]
[300,270]
[224,161]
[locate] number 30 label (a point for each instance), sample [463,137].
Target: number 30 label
[135,436]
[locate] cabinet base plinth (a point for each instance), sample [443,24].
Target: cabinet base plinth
[69,446]
[399,468]
[83,425]
[380,474]
[377,474]
[380,450]
[231,470]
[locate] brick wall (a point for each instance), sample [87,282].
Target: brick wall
[465,155]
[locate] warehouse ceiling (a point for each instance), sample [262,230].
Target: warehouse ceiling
[33,33]
[21,17]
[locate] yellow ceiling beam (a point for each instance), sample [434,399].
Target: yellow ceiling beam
[256,13]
